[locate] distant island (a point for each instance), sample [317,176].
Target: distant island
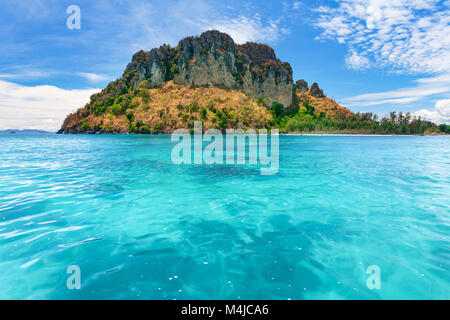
[212,79]
[25,131]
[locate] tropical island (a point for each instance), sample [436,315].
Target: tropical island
[225,85]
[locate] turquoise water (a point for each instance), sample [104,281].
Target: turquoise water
[140,227]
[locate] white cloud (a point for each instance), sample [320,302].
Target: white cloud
[440,114]
[243,29]
[296,5]
[178,19]
[92,77]
[441,79]
[355,61]
[407,36]
[402,36]
[425,87]
[27,73]
[38,107]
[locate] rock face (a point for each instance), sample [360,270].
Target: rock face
[214,60]
[208,78]
[301,85]
[316,92]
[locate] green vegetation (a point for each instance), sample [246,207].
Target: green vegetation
[130,116]
[307,120]
[84,126]
[132,127]
[119,98]
[157,128]
[203,113]
[144,129]
[444,128]
[193,107]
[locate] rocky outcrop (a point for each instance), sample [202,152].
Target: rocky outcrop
[301,86]
[214,60]
[315,91]
[208,78]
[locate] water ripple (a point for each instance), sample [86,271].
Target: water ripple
[140,227]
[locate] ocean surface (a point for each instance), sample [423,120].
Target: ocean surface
[140,227]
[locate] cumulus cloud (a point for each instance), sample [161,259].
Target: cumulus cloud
[406,36]
[402,36]
[38,107]
[357,61]
[440,114]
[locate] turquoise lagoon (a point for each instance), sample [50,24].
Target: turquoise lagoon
[140,227]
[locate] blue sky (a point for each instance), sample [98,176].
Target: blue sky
[369,55]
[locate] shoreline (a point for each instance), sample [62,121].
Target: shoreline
[281,134]
[362,134]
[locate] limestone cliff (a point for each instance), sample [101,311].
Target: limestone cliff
[208,78]
[214,60]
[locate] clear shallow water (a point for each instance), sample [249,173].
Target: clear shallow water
[140,227]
